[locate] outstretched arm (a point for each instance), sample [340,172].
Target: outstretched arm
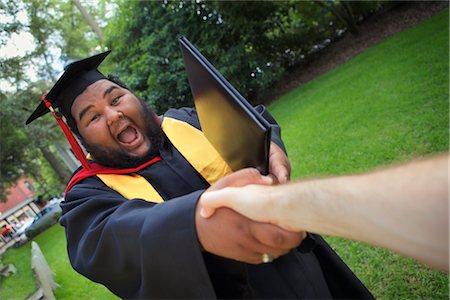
[403,208]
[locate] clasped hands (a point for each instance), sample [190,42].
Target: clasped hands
[227,233]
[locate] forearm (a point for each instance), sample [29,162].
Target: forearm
[384,208]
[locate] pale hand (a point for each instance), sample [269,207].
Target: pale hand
[231,235]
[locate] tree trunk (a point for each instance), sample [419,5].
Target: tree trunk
[38,179]
[62,172]
[90,20]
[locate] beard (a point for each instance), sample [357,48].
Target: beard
[122,159]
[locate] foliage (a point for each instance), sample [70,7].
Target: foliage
[345,121]
[56,27]
[20,144]
[17,157]
[379,108]
[13,147]
[251,45]
[349,13]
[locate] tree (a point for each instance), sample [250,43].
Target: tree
[251,45]
[144,39]
[349,13]
[13,162]
[89,20]
[56,26]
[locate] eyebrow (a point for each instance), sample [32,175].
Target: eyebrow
[109,90]
[84,111]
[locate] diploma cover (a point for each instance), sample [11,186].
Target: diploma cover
[234,128]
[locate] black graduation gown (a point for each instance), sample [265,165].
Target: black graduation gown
[141,250]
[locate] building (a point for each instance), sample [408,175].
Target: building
[21,205]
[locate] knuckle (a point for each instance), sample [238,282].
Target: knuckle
[294,242]
[278,240]
[279,253]
[255,260]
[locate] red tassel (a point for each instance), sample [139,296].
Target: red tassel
[69,135]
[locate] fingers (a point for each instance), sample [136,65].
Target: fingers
[210,200]
[275,237]
[279,164]
[215,197]
[281,174]
[207,212]
[231,235]
[252,201]
[241,178]
[270,240]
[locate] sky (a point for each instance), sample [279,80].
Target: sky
[22,43]
[19,44]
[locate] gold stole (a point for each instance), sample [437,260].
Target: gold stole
[194,147]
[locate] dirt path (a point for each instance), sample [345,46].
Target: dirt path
[373,30]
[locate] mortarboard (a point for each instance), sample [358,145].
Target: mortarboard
[76,78]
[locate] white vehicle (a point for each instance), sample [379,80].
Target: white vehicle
[23,227]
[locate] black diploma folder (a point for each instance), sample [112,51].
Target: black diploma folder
[234,128]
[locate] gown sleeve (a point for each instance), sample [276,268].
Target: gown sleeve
[134,247]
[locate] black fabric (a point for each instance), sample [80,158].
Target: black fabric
[342,283]
[76,78]
[142,250]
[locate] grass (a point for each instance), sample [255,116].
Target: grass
[71,284]
[21,284]
[388,104]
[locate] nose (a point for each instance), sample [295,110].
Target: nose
[113,115]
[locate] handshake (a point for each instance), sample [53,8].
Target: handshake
[253,218]
[229,232]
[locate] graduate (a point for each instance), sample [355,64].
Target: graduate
[130,211]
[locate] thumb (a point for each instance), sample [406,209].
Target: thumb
[207,212]
[210,200]
[282,175]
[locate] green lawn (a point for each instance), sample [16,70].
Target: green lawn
[388,104]
[53,244]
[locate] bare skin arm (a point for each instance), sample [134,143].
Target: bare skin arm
[402,208]
[232,235]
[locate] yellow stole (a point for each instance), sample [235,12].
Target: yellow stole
[194,147]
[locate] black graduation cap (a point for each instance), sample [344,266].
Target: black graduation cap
[76,78]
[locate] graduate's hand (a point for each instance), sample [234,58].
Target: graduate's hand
[279,165]
[234,236]
[231,235]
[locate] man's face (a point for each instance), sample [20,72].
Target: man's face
[117,130]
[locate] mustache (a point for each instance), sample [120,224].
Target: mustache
[121,159]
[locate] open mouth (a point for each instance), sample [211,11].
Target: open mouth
[128,136]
